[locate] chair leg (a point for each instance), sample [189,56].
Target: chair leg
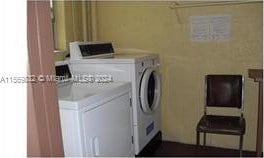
[197,138]
[204,139]
[241,146]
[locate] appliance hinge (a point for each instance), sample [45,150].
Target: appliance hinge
[132,139]
[130,102]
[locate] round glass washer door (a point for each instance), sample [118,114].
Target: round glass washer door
[150,90]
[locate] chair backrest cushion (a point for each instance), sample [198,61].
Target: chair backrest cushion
[224,90]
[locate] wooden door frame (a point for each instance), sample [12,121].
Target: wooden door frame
[43,123]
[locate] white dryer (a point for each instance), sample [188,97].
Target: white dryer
[141,69]
[95,117]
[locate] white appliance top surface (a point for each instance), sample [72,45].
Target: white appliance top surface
[130,55]
[120,57]
[77,95]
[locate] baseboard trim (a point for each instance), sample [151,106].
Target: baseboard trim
[152,146]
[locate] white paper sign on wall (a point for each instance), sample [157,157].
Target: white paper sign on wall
[210,28]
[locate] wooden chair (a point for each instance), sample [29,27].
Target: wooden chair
[223,91]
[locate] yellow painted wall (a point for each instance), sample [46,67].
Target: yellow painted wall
[73,15]
[69,23]
[60,31]
[154,26]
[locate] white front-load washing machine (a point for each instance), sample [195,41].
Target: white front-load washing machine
[141,69]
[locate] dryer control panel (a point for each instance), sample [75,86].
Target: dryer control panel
[81,50]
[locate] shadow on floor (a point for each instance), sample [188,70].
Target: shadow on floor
[173,149]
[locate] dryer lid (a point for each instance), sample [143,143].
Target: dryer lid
[78,95]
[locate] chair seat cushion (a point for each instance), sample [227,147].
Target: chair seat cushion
[232,125]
